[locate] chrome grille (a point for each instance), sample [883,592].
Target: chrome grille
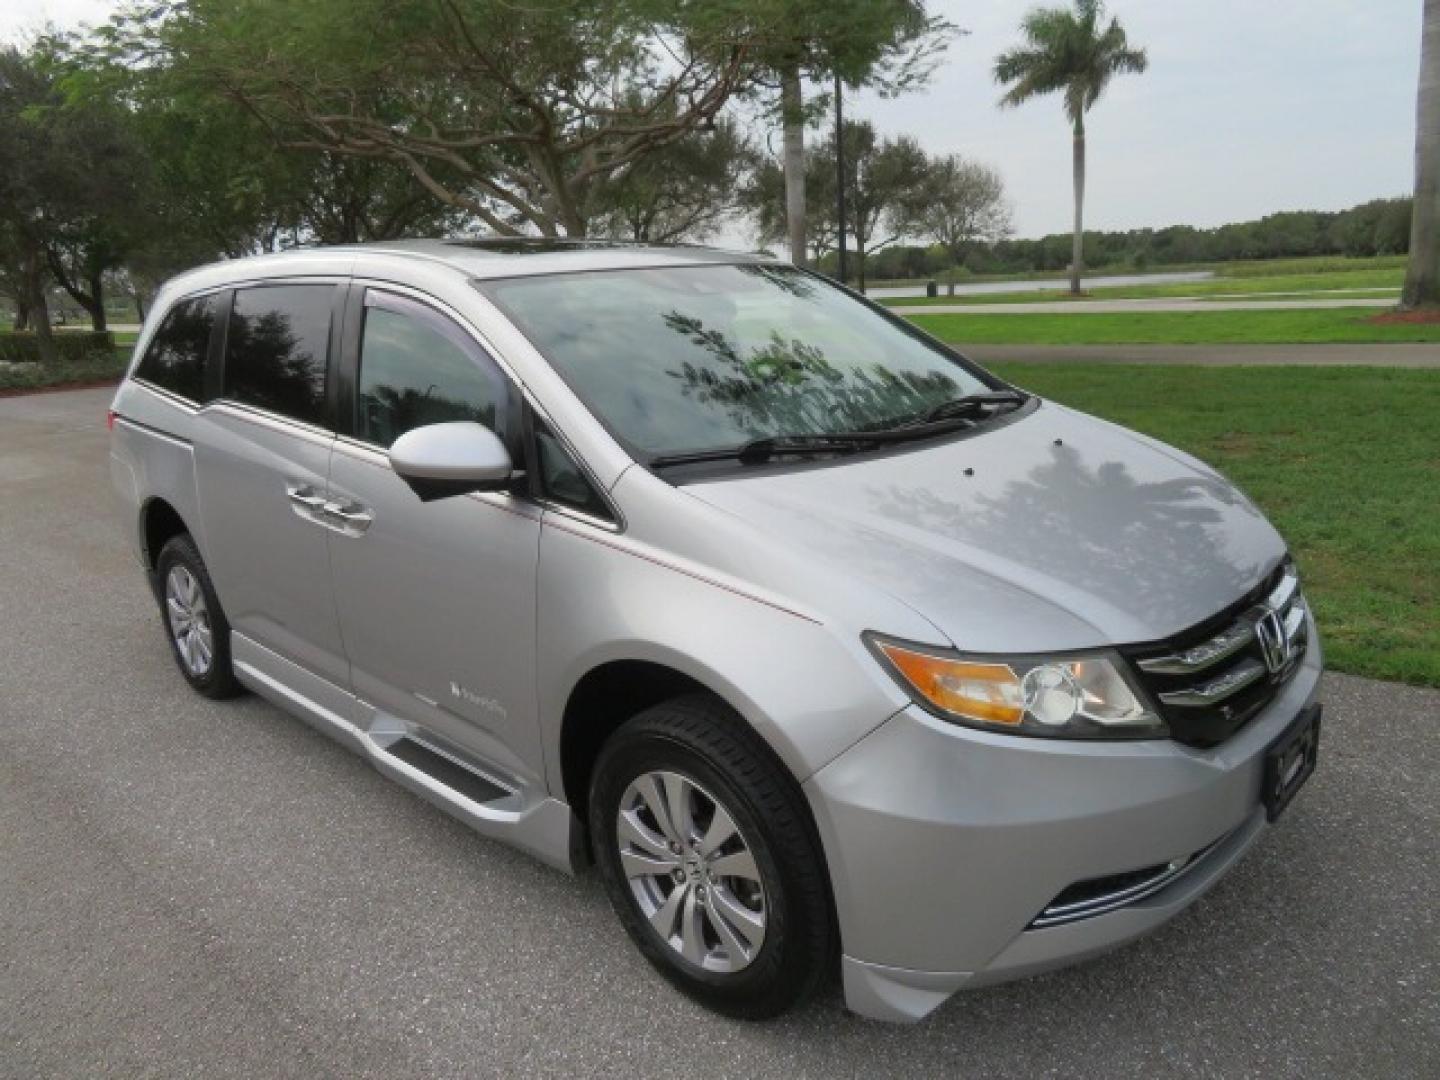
[1211,680]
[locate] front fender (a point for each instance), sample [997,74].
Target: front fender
[808,687]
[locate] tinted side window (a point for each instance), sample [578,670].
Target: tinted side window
[417,368]
[276,347]
[175,359]
[561,479]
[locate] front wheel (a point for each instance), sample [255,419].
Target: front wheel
[710,860]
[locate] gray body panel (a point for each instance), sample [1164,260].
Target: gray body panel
[1064,533]
[268,558]
[941,841]
[438,594]
[971,835]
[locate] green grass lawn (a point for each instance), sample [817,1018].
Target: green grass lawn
[1173,328]
[1385,293]
[1308,287]
[1344,461]
[1381,281]
[1310,264]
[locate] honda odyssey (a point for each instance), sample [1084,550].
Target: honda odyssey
[830,648]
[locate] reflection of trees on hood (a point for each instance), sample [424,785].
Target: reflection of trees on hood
[1097,526]
[790,386]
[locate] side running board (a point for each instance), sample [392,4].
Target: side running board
[528,818]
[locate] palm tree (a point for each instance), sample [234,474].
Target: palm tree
[1422,278]
[1070,52]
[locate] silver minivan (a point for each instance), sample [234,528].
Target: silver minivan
[823,643]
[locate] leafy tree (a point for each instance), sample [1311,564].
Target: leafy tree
[219,182]
[891,45]
[33,188]
[766,197]
[1392,226]
[1422,277]
[1074,53]
[882,182]
[515,114]
[103,177]
[960,203]
[883,178]
[683,191]
[1378,227]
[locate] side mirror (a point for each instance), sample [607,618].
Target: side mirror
[441,460]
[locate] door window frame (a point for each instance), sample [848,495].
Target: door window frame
[519,435]
[219,345]
[365,297]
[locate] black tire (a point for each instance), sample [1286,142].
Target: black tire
[704,741]
[218,681]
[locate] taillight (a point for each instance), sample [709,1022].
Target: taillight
[110,419]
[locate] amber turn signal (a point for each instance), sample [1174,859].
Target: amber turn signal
[986,692]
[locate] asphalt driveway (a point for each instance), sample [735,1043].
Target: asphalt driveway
[189,887]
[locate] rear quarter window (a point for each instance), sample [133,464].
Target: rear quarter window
[276,349]
[175,358]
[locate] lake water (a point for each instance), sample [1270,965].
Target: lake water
[1178,277]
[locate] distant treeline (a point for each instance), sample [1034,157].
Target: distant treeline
[1378,227]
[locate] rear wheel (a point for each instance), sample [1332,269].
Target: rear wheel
[710,860]
[194,621]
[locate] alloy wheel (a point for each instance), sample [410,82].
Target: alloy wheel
[189,620]
[691,871]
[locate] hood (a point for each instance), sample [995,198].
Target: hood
[1053,531]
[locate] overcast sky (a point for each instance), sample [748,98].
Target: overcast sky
[1249,106]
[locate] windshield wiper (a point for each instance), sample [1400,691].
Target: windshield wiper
[971,405]
[763,449]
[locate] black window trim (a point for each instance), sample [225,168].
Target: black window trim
[215,361]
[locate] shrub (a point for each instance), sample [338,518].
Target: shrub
[93,367]
[71,347]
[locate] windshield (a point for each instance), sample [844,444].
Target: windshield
[702,357]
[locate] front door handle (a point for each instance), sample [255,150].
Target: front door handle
[351,515]
[306,497]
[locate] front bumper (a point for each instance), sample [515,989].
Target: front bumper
[944,843]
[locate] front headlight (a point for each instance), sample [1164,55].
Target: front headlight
[1070,697]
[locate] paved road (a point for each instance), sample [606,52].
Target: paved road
[190,887]
[1169,305]
[1220,355]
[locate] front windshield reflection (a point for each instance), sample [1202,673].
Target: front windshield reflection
[791,386]
[702,357]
